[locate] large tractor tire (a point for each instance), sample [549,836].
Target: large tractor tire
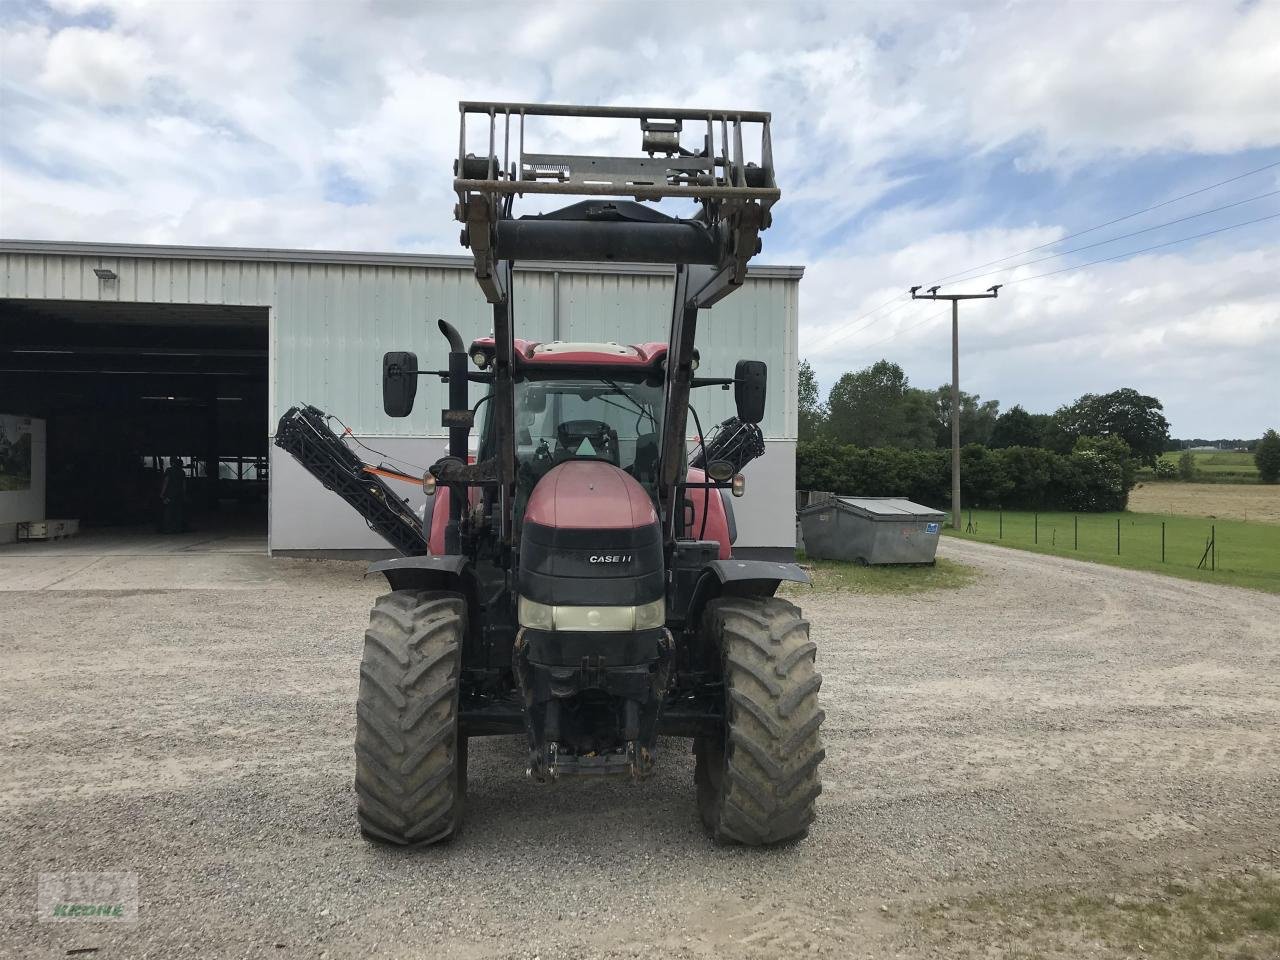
[411,763]
[757,783]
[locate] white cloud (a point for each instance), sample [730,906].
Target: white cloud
[1194,77]
[98,66]
[230,122]
[1199,329]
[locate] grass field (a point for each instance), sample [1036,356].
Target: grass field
[1247,554]
[1225,466]
[1228,501]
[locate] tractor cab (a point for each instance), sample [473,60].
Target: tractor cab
[592,402]
[577,401]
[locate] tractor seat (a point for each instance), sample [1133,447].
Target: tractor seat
[586,439]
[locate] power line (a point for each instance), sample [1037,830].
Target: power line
[1158,246]
[1123,236]
[900,332]
[827,340]
[1078,266]
[827,335]
[1128,216]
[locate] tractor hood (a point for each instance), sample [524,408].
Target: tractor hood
[589,495]
[590,536]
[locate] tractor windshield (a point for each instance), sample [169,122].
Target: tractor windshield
[600,418]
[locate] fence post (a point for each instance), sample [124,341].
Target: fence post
[1076,522]
[1213,549]
[1117,536]
[1002,523]
[1035,536]
[1162,541]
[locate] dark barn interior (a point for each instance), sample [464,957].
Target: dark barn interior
[124,387]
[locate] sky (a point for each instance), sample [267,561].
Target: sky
[912,143]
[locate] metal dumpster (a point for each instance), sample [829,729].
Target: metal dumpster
[871,530]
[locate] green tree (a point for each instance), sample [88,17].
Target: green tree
[977,419]
[876,407]
[1135,418]
[1017,428]
[984,480]
[918,421]
[813,413]
[1031,472]
[1113,450]
[1091,481]
[1187,466]
[1266,456]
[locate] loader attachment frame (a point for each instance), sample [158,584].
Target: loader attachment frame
[709,250]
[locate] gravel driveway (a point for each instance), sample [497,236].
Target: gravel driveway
[1055,721]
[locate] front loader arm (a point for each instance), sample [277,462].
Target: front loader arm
[710,250]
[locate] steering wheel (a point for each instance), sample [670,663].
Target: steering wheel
[604,439]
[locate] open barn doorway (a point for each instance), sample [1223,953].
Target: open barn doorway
[125,389]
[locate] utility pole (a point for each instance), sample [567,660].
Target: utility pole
[955,299]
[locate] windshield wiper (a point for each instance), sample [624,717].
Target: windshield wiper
[643,411]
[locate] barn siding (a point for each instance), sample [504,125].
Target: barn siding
[334,315]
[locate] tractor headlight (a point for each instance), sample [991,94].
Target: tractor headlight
[650,615]
[543,616]
[539,616]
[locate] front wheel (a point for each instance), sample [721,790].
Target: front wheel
[411,763]
[757,782]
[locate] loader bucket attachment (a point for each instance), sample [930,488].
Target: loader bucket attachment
[720,162]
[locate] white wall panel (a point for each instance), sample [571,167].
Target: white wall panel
[333,315]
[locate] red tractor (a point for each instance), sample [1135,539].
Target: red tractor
[574,580]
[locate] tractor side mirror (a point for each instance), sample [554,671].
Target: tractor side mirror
[399,383]
[749,378]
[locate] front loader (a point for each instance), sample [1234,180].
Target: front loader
[574,582]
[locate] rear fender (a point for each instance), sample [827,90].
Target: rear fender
[436,516]
[438,520]
[740,578]
[711,503]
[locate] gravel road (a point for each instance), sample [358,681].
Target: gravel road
[1054,721]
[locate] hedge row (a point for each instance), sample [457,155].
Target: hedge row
[1017,478]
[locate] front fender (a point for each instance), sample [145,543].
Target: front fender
[423,573]
[738,571]
[758,578]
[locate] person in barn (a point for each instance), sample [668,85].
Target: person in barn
[173,489]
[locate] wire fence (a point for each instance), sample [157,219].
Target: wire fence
[1176,541]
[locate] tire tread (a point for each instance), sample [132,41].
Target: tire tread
[760,785]
[410,758]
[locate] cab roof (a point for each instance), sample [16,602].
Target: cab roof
[564,352]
